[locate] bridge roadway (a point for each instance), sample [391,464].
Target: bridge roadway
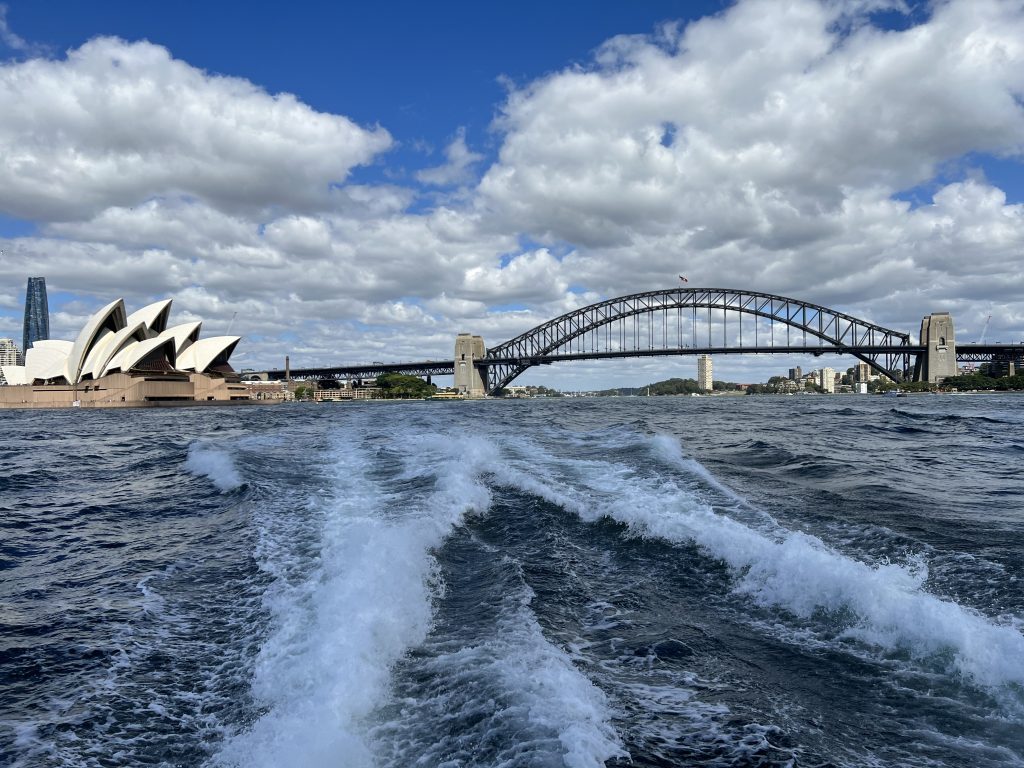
[965,353]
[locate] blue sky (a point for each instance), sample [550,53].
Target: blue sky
[433,168]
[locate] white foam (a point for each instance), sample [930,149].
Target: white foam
[556,694]
[782,568]
[669,450]
[326,666]
[512,682]
[215,464]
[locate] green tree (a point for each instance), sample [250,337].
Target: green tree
[543,391]
[394,386]
[983,381]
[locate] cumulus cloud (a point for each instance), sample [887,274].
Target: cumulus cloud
[756,125]
[117,123]
[533,276]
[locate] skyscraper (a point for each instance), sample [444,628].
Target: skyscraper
[37,313]
[704,380]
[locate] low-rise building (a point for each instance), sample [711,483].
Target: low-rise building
[269,390]
[10,354]
[347,393]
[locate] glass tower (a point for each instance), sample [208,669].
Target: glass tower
[37,313]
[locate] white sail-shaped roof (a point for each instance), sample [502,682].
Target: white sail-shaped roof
[113,341]
[96,351]
[56,356]
[14,374]
[153,315]
[45,363]
[183,335]
[114,364]
[63,346]
[107,347]
[137,353]
[203,354]
[110,319]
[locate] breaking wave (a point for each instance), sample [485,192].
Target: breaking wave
[883,604]
[215,464]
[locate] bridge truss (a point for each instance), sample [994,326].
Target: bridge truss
[426,369]
[687,321]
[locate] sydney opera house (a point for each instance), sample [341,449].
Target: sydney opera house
[126,360]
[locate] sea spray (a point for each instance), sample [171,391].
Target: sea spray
[215,464]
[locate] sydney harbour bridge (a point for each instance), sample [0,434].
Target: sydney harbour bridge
[691,321]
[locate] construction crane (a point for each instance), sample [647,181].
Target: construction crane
[984,329]
[236,315]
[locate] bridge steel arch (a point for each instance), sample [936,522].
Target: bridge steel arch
[885,350]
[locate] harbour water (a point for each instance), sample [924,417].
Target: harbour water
[670,581]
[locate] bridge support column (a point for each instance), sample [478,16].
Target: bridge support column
[468,377]
[938,361]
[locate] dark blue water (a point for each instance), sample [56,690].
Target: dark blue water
[639,581]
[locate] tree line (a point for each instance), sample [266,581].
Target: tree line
[668,387]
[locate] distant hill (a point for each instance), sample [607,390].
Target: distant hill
[667,387]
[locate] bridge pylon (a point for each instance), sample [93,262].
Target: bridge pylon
[938,361]
[470,377]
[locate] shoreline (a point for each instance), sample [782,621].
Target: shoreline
[87,406]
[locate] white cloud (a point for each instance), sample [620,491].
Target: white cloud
[755,125]
[456,308]
[117,123]
[533,276]
[457,169]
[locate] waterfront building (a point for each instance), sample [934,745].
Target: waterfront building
[9,355]
[862,373]
[125,359]
[704,373]
[268,390]
[827,380]
[795,374]
[346,393]
[37,314]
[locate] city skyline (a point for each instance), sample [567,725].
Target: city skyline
[367,192]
